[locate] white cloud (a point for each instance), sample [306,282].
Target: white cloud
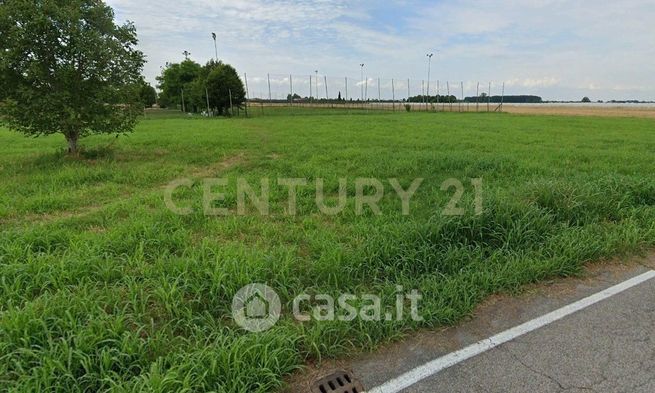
[557,48]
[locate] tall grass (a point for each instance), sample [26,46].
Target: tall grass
[104,289]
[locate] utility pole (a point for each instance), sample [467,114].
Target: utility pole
[215,46]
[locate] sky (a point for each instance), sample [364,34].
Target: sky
[560,50]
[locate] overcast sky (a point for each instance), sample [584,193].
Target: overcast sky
[554,48]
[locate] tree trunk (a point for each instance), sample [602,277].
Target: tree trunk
[72,143]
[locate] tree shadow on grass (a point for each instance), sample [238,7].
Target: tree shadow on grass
[61,157]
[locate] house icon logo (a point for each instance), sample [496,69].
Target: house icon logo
[256,307]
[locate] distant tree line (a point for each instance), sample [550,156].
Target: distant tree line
[432,99]
[517,99]
[193,88]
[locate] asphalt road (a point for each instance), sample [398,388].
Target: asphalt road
[606,347]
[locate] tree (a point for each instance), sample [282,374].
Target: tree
[586,99]
[196,91]
[223,82]
[147,94]
[175,82]
[66,67]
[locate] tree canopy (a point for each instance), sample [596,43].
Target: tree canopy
[66,67]
[147,94]
[174,80]
[211,84]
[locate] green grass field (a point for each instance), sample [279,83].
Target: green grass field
[102,288]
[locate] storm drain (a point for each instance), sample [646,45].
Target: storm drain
[338,382]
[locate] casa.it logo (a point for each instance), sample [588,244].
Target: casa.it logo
[256,307]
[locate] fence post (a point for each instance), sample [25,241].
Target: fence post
[489,97]
[291,90]
[462,100]
[477,98]
[245,77]
[393,96]
[450,101]
[231,107]
[423,90]
[408,93]
[502,98]
[366,93]
[268,76]
[207,96]
[379,95]
[345,104]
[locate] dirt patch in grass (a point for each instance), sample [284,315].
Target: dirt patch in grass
[82,211]
[212,170]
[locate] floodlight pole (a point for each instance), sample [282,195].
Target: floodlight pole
[362,80]
[215,46]
[429,56]
[316,81]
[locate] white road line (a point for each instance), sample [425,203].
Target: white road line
[432,367]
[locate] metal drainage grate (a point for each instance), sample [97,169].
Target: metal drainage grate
[338,382]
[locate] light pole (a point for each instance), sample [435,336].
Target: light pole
[362,80]
[316,82]
[186,54]
[429,55]
[215,47]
